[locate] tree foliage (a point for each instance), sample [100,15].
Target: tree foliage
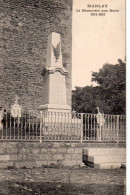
[109,95]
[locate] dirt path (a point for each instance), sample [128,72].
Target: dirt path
[62,180]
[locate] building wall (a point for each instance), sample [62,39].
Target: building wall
[24,29]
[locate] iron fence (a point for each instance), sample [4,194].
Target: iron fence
[24,125]
[59,126]
[102,127]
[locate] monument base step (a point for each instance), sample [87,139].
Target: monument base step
[108,165]
[104,158]
[104,151]
[107,159]
[55,108]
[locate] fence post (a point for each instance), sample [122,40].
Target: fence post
[81,133]
[117,129]
[41,118]
[98,127]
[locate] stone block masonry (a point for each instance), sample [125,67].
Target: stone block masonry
[24,29]
[29,155]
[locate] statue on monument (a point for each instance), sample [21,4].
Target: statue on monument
[16,108]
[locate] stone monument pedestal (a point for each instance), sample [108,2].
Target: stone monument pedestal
[54,89]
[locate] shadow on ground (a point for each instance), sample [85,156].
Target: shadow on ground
[33,188]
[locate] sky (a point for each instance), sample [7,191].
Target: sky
[96,40]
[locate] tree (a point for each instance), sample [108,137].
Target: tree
[83,99]
[109,95]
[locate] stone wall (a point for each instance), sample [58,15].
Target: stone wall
[24,29]
[36,154]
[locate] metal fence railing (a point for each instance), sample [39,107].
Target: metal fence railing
[21,126]
[59,126]
[102,127]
